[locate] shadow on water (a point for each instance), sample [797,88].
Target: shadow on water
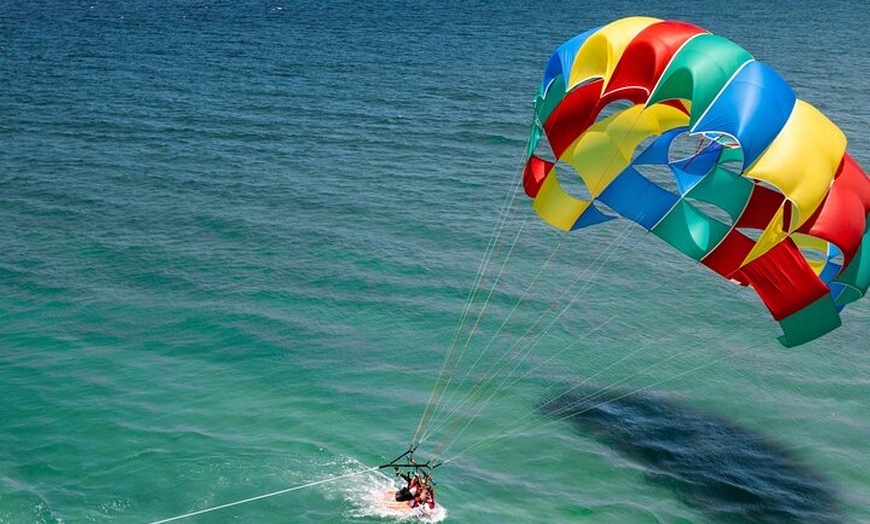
[727,472]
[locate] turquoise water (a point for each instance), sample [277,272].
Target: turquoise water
[238,237]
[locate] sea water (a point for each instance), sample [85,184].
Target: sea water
[238,237]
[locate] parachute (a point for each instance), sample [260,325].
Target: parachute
[769,197]
[684,134]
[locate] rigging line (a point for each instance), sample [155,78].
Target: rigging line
[491,293]
[611,161]
[609,250]
[507,211]
[492,373]
[450,415]
[505,217]
[566,412]
[565,348]
[507,319]
[480,315]
[518,354]
[267,495]
[733,291]
[445,446]
[481,445]
[505,381]
[649,342]
[532,419]
[525,375]
[580,339]
[612,385]
[506,214]
[699,151]
[525,350]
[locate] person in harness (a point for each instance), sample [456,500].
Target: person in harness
[412,485]
[424,499]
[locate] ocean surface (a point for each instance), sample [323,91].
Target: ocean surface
[237,240]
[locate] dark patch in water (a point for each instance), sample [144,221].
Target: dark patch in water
[727,472]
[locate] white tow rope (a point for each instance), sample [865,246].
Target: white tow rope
[267,495]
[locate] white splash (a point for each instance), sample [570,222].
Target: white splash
[368,495]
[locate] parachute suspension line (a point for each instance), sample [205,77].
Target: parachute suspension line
[504,384]
[522,348]
[580,339]
[629,355]
[508,208]
[566,413]
[526,348]
[506,214]
[697,312]
[515,308]
[267,495]
[649,342]
[504,323]
[544,332]
[474,327]
[440,386]
[532,420]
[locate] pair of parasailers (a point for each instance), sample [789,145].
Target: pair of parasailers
[418,492]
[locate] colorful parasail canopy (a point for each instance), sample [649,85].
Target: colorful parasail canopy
[768,197]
